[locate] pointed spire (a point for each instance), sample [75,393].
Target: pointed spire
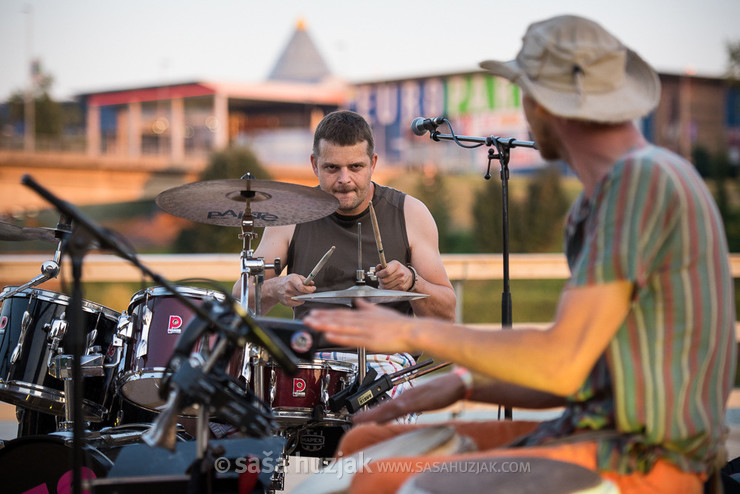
[300,60]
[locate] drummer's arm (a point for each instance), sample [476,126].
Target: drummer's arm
[425,258]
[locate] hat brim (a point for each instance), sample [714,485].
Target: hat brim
[635,98]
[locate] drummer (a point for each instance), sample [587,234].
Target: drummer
[641,354]
[343,160]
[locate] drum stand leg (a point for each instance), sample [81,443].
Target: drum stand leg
[61,368]
[67,423]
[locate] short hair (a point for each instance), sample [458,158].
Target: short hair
[345,128]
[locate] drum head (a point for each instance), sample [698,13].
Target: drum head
[44,464]
[337,476]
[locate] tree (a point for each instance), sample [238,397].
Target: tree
[733,60]
[49,113]
[535,222]
[540,225]
[432,192]
[487,218]
[205,238]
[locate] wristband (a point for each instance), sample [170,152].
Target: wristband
[414,279]
[467,379]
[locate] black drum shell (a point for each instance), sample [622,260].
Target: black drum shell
[26,382]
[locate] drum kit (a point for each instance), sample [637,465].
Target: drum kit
[178,357]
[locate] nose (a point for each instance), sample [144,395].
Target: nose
[344,175]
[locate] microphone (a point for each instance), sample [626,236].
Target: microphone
[421,125]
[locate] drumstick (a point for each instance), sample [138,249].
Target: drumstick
[319,265]
[376,230]
[419,373]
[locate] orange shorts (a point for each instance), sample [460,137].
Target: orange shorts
[489,438]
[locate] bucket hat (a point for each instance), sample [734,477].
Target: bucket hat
[576,69]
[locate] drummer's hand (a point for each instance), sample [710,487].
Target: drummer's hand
[291,286]
[433,395]
[395,276]
[376,328]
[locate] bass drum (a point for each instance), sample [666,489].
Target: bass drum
[44,464]
[33,330]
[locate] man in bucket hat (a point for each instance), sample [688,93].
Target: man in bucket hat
[641,353]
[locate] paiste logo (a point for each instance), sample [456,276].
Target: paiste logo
[174,325]
[230,213]
[299,387]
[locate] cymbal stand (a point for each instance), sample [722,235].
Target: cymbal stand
[361,351]
[49,270]
[255,267]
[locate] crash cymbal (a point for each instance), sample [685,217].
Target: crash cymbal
[8,231]
[367,293]
[222,202]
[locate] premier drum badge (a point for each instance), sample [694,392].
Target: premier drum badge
[174,324]
[299,388]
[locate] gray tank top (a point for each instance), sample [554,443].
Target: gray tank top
[311,240]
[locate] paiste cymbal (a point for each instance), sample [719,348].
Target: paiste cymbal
[222,202]
[8,231]
[367,293]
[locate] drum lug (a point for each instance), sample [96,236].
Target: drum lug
[25,323]
[273,381]
[246,363]
[125,328]
[143,347]
[89,347]
[325,389]
[57,331]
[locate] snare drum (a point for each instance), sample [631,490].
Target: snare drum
[149,330]
[34,329]
[294,399]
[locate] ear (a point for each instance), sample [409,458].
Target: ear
[314,165]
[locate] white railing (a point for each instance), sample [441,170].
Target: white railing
[20,268]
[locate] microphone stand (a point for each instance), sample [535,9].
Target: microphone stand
[499,148]
[77,245]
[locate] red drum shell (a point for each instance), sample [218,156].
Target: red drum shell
[141,371]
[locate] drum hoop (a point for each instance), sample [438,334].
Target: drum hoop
[161,291]
[320,364]
[62,299]
[138,375]
[298,412]
[339,365]
[31,392]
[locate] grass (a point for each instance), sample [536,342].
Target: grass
[531,300]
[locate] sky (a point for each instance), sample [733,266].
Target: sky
[99,45]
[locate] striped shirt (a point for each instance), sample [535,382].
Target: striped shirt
[664,379]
